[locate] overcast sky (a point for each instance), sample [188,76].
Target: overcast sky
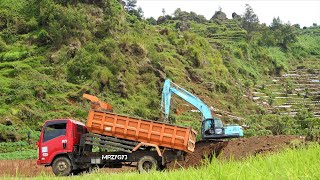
[304,13]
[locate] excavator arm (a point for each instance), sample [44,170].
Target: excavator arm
[211,127]
[169,88]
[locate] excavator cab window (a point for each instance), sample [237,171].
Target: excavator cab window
[212,125]
[218,123]
[209,126]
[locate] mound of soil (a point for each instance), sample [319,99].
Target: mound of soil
[235,149]
[242,148]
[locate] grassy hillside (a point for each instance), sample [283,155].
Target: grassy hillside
[51,52]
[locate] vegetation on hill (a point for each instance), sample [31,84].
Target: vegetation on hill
[53,51]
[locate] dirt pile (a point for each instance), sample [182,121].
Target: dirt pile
[236,149]
[242,148]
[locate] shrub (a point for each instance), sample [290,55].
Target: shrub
[81,67]
[13,55]
[32,24]
[43,37]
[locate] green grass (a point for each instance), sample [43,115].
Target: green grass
[289,164]
[25,154]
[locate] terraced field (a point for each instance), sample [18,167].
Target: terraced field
[286,94]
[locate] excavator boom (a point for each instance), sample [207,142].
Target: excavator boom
[169,88]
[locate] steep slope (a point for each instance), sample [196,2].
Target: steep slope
[54,51]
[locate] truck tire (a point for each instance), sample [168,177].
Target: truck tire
[147,163]
[162,167]
[61,166]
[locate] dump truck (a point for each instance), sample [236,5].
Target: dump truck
[111,140]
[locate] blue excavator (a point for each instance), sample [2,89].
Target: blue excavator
[211,127]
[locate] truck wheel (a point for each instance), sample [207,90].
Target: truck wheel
[147,163]
[162,167]
[61,166]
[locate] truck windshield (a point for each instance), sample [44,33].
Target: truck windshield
[54,129]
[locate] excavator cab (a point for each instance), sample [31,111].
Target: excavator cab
[214,129]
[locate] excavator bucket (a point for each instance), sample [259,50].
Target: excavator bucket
[97,104]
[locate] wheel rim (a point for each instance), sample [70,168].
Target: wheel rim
[147,165]
[62,166]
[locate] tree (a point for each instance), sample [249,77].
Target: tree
[139,13]
[276,23]
[289,36]
[297,26]
[235,16]
[130,7]
[197,18]
[152,21]
[163,12]
[219,15]
[161,20]
[177,12]
[183,15]
[284,34]
[250,20]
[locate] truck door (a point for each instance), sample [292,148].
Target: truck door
[54,140]
[78,131]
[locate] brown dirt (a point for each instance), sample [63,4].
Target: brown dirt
[236,149]
[29,168]
[242,148]
[22,168]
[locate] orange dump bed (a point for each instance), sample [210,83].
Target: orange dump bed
[146,131]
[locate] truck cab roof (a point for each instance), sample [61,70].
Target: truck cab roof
[73,121]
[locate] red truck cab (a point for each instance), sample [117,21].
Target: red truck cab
[58,138]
